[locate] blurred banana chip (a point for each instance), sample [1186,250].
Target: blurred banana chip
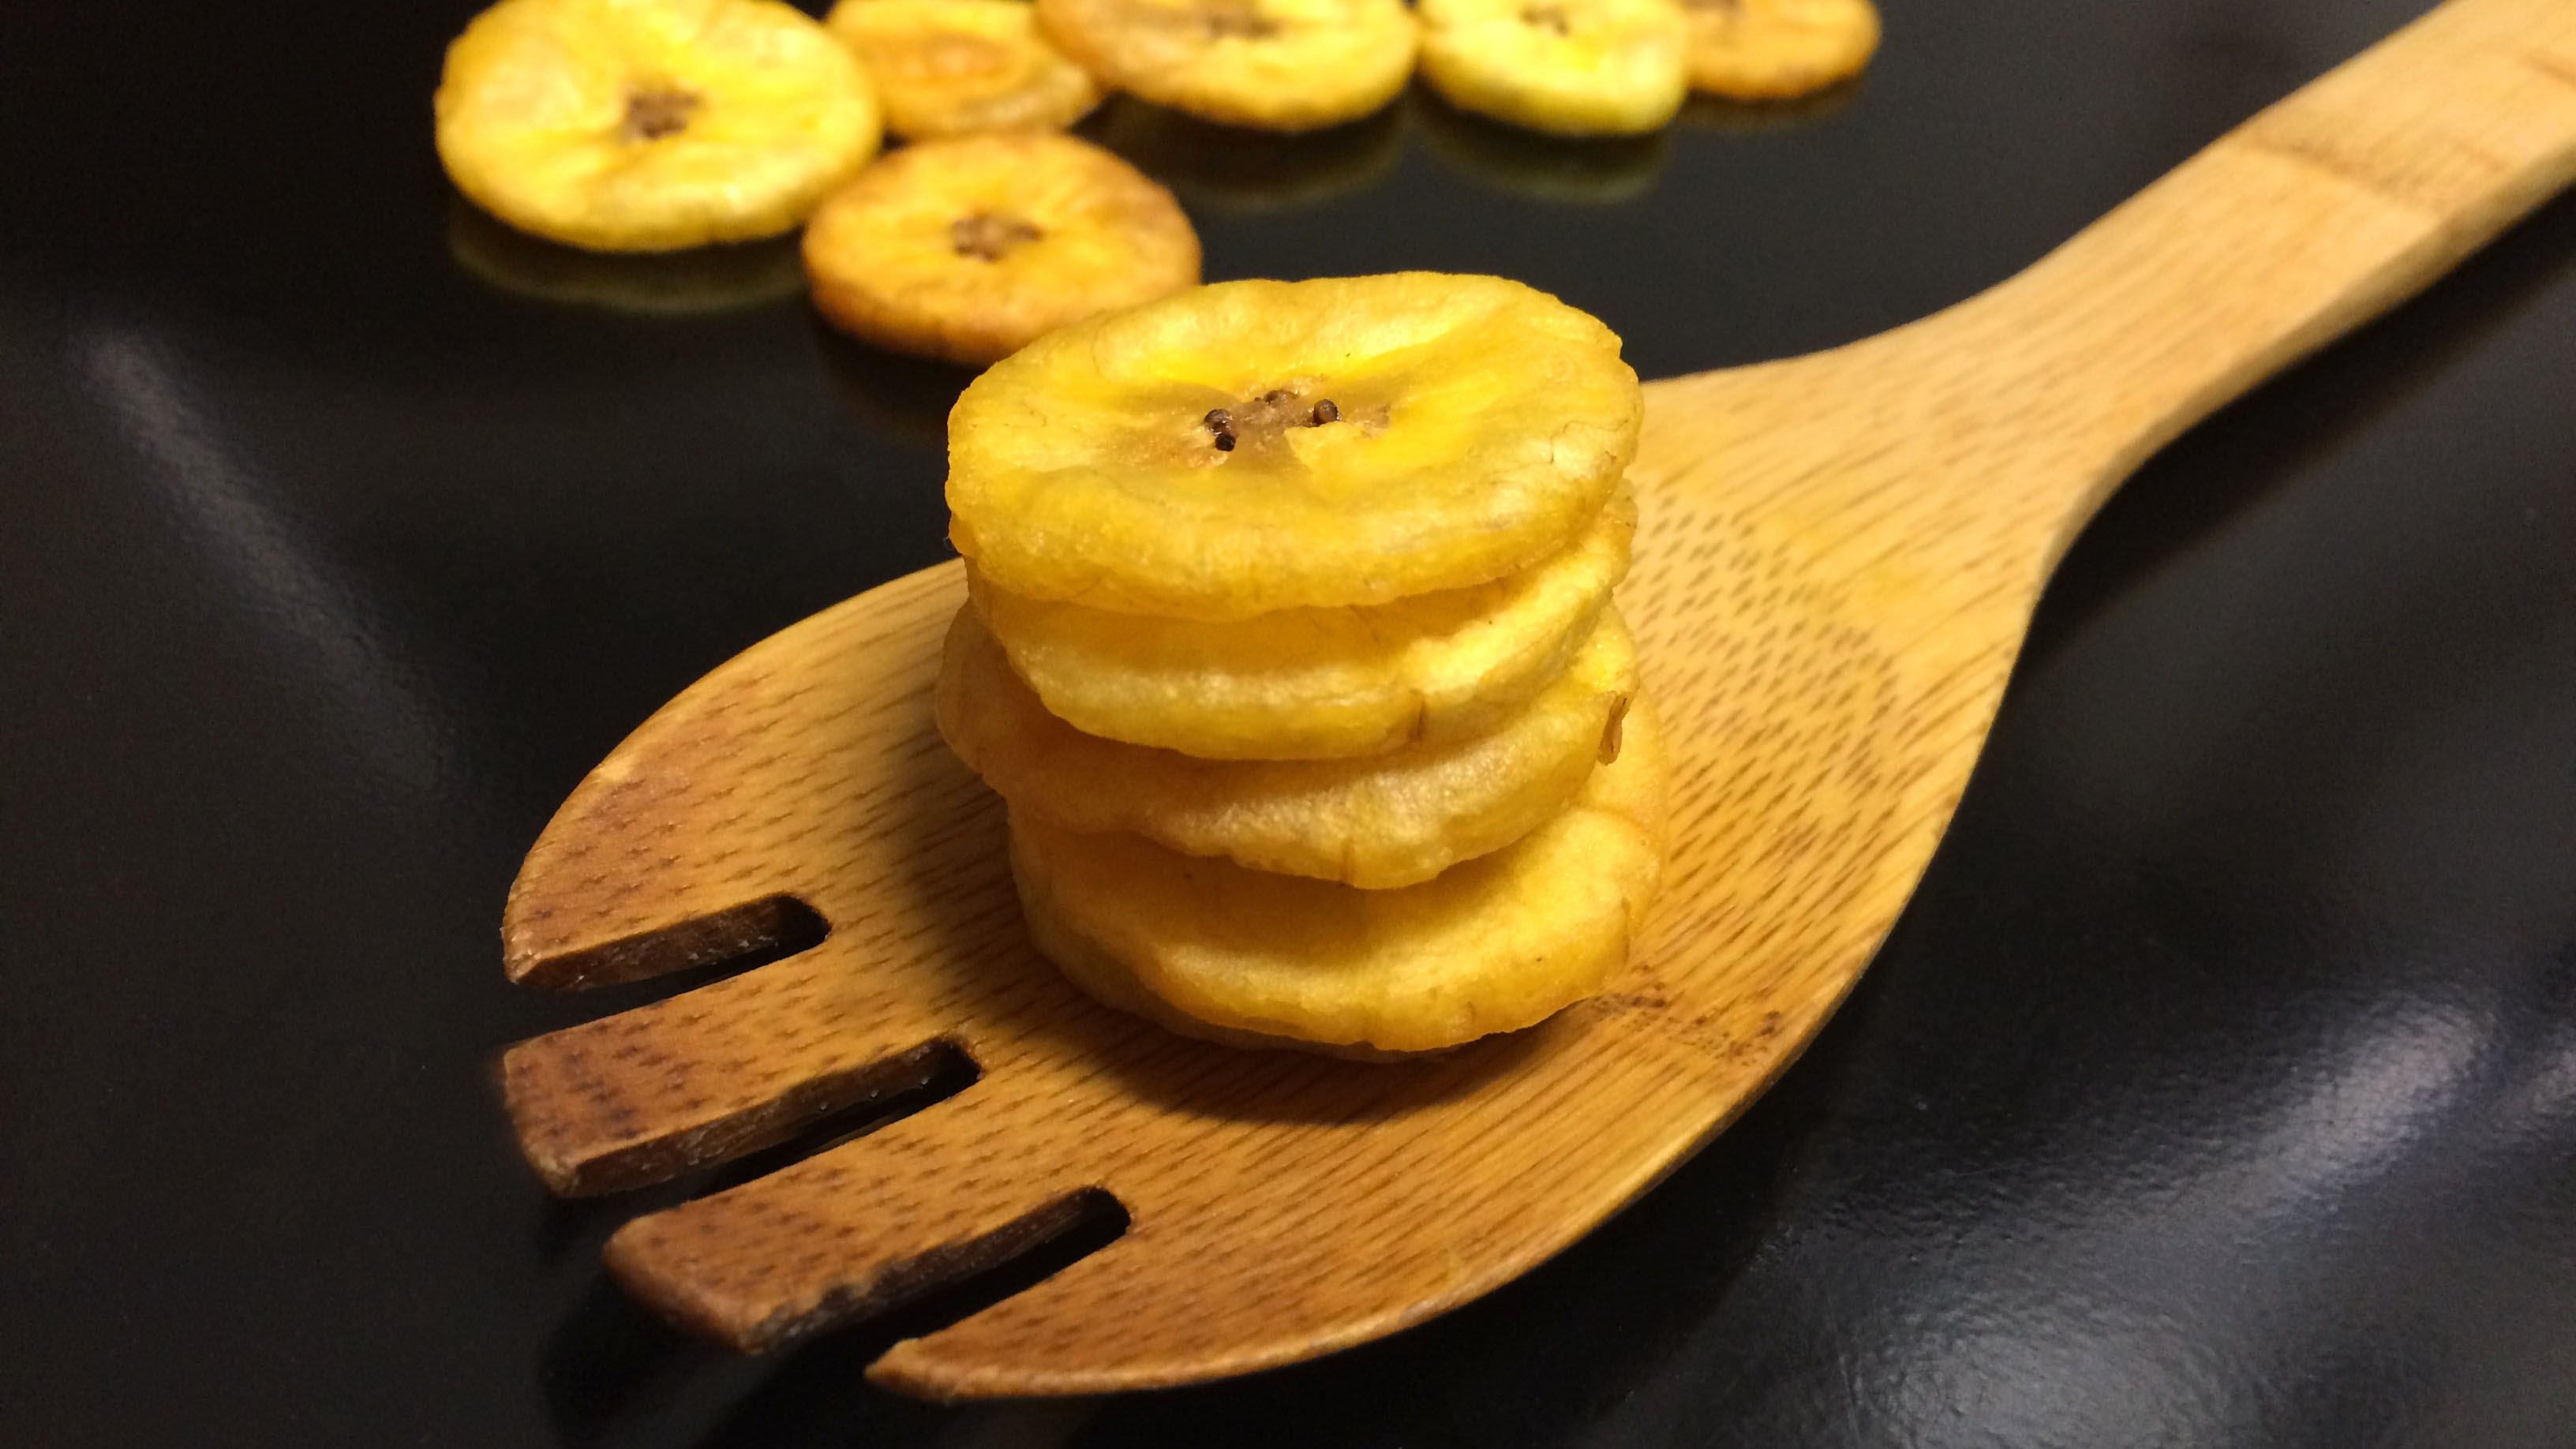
[969,248]
[1572,67]
[1306,684]
[1389,820]
[1493,944]
[959,67]
[1280,65]
[1254,446]
[651,125]
[1762,50]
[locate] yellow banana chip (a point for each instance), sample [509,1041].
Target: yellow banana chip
[1574,67]
[1305,684]
[1254,446]
[1760,50]
[958,67]
[1388,820]
[969,248]
[1282,65]
[650,125]
[1494,944]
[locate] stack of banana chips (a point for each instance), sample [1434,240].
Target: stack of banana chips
[1291,647]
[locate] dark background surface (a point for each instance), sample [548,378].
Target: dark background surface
[2218,1089]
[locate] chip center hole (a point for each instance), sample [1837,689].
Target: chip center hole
[1547,17]
[990,235]
[1242,18]
[1265,417]
[653,112]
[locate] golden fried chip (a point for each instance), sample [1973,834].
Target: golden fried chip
[1760,50]
[1254,446]
[1573,67]
[1307,684]
[1281,65]
[649,125]
[1110,983]
[958,67]
[1388,820]
[1494,944]
[969,248]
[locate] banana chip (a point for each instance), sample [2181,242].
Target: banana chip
[958,67]
[1573,67]
[1255,446]
[968,248]
[1494,944]
[1389,820]
[650,125]
[1308,684]
[1281,65]
[1761,50]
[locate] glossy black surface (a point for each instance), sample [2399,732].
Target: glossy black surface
[2218,1089]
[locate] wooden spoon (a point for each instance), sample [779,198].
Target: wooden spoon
[1840,555]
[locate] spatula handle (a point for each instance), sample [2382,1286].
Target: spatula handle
[2309,219]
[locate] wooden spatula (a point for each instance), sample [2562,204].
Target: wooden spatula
[1839,557]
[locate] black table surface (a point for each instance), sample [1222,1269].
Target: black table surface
[2218,1088]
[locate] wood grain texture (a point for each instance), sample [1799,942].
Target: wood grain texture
[1838,558]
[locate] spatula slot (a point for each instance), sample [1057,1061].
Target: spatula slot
[710,947]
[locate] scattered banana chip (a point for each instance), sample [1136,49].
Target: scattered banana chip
[968,248]
[1281,65]
[1760,50]
[650,125]
[1493,944]
[1574,67]
[1254,446]
[1389,820]
[1307,684]
[958,67]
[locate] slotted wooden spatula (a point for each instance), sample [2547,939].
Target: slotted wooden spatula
[1839,556]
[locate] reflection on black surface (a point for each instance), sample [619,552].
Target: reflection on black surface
[2190,491]
[909,396]
[1236,169]
[695,282]
[1704,112]
[1568,170]
[608,1361]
